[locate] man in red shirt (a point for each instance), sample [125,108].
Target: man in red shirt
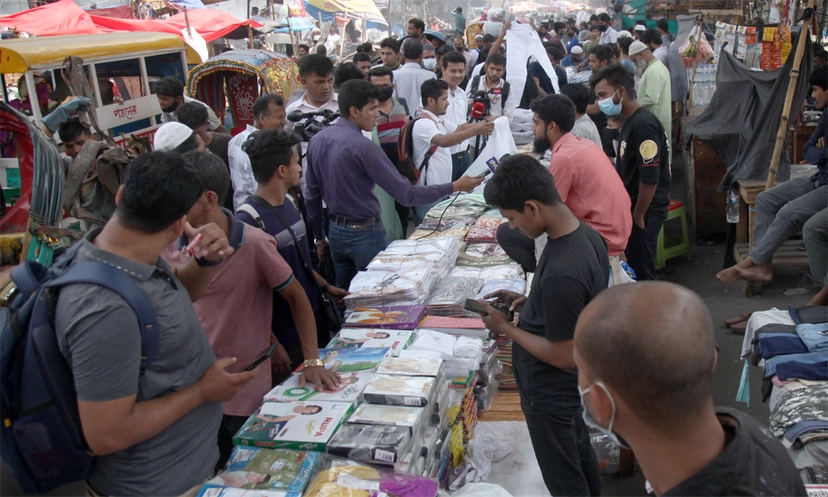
[584,176]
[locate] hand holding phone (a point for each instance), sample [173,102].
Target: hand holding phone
[262,357]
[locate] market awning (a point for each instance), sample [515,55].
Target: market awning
[64,17]
[355,9]
[209,23]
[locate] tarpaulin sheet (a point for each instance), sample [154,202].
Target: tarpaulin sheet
[211,24]
[64,17]
[742,119]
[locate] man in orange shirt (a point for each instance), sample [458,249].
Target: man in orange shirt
[585,178]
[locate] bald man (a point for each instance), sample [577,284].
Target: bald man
[645,374]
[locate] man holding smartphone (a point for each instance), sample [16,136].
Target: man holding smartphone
[237,309]
[572,270]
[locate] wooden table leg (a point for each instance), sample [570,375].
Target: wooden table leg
[751,223]
[626,462]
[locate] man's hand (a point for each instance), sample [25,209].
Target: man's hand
[466,184]
[279,361]
[506,27]
[321,249]
[213,245]
[217,385]
[320,377]
[513,299]
[496,322]
[486,127]
[639,221]
[338,294]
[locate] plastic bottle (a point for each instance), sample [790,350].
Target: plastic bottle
[733,200]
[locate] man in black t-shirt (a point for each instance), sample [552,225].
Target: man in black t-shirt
[643,162]
[645,374]
[573,269]
[274,159]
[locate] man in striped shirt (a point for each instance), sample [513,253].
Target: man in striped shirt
[393,114]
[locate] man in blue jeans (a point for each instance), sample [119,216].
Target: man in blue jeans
[343,168]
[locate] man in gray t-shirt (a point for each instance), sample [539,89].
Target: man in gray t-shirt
[154,433]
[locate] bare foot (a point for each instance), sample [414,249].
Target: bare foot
[731,274]
[820,298]
[762,272]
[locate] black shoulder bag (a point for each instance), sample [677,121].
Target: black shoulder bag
[329,307]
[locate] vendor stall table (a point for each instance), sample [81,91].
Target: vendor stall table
[704,170]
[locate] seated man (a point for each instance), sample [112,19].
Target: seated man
[170,93]
[815,236]
[645,375]
[782,210]
[586,181]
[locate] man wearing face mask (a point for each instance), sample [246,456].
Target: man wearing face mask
[410,77]
[608,33]
[170,93]
[654,91]
[573,269]
[429,57]
[643,162]
[645,374]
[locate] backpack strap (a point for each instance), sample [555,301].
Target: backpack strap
[505,94]
[99,273]
[252,212]
[429,153]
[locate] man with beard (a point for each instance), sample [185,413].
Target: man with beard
[501,99]
[584,177]
[170,93]
[654,91]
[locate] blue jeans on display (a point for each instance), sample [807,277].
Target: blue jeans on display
[353,248]
[459,165]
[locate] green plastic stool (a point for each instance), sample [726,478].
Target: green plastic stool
[670,246]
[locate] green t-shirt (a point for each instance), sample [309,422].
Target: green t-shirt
[654,93]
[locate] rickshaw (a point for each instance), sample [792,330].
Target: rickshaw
[114,71]
[236,78]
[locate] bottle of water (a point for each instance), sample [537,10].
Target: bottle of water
[733,200]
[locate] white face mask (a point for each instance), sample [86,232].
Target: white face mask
[590,421]
[430,64]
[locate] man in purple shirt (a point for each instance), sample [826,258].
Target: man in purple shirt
[343,167]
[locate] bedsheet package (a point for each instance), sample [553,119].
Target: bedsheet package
[374,444]
[349,391]
[355,338]
[340,477]
[396,390]
[249,468]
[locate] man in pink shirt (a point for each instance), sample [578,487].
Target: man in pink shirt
[237,309]
[584,176]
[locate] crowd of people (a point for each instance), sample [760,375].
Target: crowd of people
[228,236]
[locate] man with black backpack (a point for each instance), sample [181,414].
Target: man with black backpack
[153,429]
[494,87]
[433,136]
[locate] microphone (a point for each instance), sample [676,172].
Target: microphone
[477,110]
[295,116]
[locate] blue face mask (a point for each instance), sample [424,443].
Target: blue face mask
[609,107]
[590,421]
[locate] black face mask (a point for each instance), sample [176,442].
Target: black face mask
[386,93]
[603,27]
[171,108]
[612,134]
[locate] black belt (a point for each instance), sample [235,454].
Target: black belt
[353,223]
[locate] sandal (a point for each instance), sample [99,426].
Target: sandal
[738,319]
[739,328]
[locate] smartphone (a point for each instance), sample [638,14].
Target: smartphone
[261,357]
[483,174]
[475,306]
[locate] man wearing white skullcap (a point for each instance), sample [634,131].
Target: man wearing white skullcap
[654,91]
[575,57]
[176,137]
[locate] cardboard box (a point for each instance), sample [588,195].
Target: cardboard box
[289,391]
[293,425]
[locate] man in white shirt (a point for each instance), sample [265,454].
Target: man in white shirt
[454,72]
[434,134]
[170,93]
[268,113]
[410,77]
[316,73]
[501,97]
[608,34]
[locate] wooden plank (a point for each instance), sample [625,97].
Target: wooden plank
[789,254]
[506,407]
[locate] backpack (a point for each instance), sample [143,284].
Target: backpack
[405,148]
[41,439]
[507,88]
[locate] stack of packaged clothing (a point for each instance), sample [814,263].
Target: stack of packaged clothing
[449,296]
[792,347]
[403,273]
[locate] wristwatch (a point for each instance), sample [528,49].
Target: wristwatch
[310,363]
